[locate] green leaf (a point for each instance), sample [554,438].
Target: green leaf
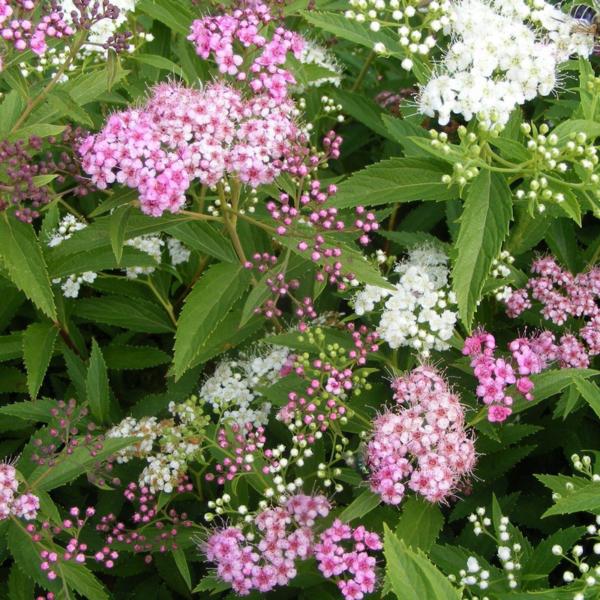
[395,180]
[363,109]
[42,180]
[11,346]
[355,32]
[12,380]
[361,506]
[211,298]
[26,555]
[420,524]
[10,111]
[40,410]
[584,499]
[542,562]
[38,346]
[82,580]
[22,257]
[569,128]
[118,226]
[96,385]
[71,466]
[160,62]
[182,566]
[484,226]
[141,315]
[130,358]
[174,14]
[20,586]
[412,575]
[590,393]
[206,239]
[39,129]
[62,102]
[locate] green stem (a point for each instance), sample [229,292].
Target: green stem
[165,303]
[35,102]
[363,71]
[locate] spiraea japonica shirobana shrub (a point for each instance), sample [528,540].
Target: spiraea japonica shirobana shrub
[299,299]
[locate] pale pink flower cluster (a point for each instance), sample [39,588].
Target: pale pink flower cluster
[283,535]
[219,36]
[530,356]
[563,296]
[422,443]
[342,552]
[182,134]
[23,33]
[24,506]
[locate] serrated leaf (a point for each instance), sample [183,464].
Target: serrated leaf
[22,257]
[71,466]
[39,129]
[211,298]
[590,393]
[42,180]
[123,357]
[83,581]
[206,239]
[118,226]
[584,499]
[361,506]
[38,346]
[182,566]
[395,180]
[20,585]
[96,385]
[542,561]
[160,62]
[420,523]
[138,315]
[40,410]
[11,346]
[172,13]
[61,100]
[484,226]
[412,575]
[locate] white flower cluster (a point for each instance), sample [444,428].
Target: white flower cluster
[178,253]
[414,21]
[177,441]
[104,29]
[70,285]
[231,389]
[314,54]
[421,312]
[489,75]
[150,245]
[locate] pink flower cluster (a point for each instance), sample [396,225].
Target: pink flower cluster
[563,296]
[24,34]
[422,443]
[343,553]
[321,402]
[24,506]
[530,356]
[182,134]
[283,535]
[219,36]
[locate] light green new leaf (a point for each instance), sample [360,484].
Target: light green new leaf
[22,257]
[412,575]
[38,346]
[484,226]
[205,307]
[395,180]
[96,384]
